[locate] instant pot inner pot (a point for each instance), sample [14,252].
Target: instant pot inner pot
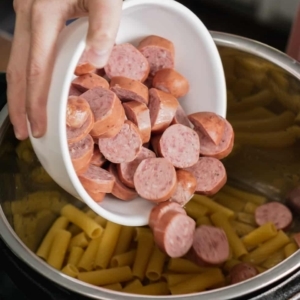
[263,107]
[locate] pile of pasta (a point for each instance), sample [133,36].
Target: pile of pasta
[85,246]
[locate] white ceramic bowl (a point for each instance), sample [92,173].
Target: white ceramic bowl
[197,59]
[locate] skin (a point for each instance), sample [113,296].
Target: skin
[38,24]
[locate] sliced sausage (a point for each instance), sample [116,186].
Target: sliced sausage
[89,81]
[242,272]
[210,245]
[84,68]
[173,233]
[98,158]
[223,149]
[96,179]
[170,81]
[160,209]
[139,114]
[180,145]
[124,147]
[210,175]
[78,111]
[155,179]
[155,143]
[186,187]
[106,107]
[96,196]
[76,134]
[162,108]
[274,212]
[81,153]
[181,117]
[210,124]
[74,92]
[129,89]
[120,190]
[126,170]
[126,61]
[159,52]
[293,200]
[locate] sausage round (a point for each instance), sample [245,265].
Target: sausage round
[73,91]
[223,149]
[162,108]
[173,233]
[210,175]
[155,143]
[181,117]
[98,158]
[242,272]
[210,245]
[89,81]
[293,200]
[96,196]
[170,81]
[138,113]
[126,170]
[106,107]
[84,68]
[155,179]
[81,153]
[160,209]
[274,212]
[126,61]
[129,89]
[180,145]
[120,190]
[124,147]
[159,52]
[78,111]
[96,179]
[186,187]
[76,134]
[210,124]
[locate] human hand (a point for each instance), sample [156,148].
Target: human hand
[38,24]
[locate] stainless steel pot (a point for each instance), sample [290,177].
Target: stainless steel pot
[270,172]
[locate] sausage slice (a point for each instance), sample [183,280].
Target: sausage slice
[155,179]
[98,158]
[181,117]
[180,145]
[293,200]
[242,272]
[89,81]
[96,196]
[73,91]
[274,212]
[210,175]
[78,111]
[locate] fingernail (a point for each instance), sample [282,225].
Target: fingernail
[18,135]
[35,131]
[97,58]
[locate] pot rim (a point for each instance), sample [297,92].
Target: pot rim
[262,280]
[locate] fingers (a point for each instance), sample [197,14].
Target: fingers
[16,70]
[104,19]
[46,23]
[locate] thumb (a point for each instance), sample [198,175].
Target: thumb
[104,20]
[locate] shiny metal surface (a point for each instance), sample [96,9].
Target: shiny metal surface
[244,167]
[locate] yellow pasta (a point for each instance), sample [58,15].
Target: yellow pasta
[101,221]
[256,113]
[125,239]
[242,88]
[229,264]
[124,259]
[74,229]
[90,213]
[181,265]
[59,248]
[143,252]
[87,261]
[107,245]
[266,249]
[195,210]
[240,228]
[70,270]
[79,218]
[203,220]
[260,269]
[75,255]
[245,196]
[105,277]
[230,202]
[199,282]
[43,250]
[141,232]
[250,208]
[132,285]
[246,218]
[260,235]
[79,240]
[173,279]
[114,286]
[213,206]
[274,259]
[290,249]
[159,288]
[235,243]
[155,264]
